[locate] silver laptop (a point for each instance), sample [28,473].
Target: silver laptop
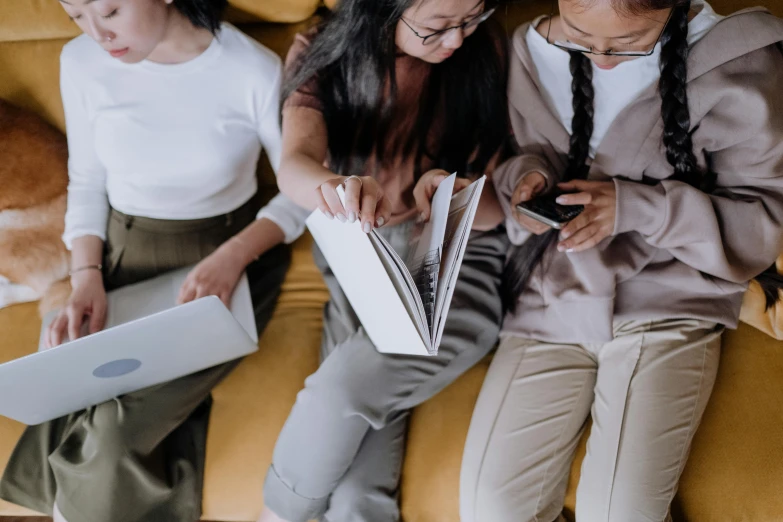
[147,341]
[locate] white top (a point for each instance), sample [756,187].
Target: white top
[171,141]
[615,88]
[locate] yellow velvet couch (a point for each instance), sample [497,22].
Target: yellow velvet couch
[735,472]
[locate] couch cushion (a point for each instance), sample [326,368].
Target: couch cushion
[45,19]
[34,19]
[30,76]
[287,11]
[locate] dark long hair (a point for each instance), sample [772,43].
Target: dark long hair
[771,282]
[676,137]
[352,59]
[206,14]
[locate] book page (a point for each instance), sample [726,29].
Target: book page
[462,210]
[425,248]
[402,281]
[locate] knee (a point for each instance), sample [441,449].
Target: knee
[353,501]
[622,508]
[103,436]
[494,506]
[494,500]
[360,386]
[489,502]
[94,445]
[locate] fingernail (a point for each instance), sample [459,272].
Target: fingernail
[367,227]
[352,216]
[564,235]
[329,214]
[569,250]
[380,221]
[561,248]
[561,200]
[341,217]
[421,218]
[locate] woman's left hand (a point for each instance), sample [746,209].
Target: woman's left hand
[596,222]
[217,274]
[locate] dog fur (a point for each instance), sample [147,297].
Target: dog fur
[33,182]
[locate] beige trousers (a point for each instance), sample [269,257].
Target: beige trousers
[646,391]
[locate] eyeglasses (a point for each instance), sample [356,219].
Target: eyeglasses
[465,26]
[572,47]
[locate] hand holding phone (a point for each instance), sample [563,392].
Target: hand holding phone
[597,222]
[546,210]
[529,187]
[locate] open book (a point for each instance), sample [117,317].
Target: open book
[402,303]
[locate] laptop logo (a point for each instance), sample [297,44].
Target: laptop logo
[116,368]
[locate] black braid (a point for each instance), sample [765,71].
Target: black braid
[674,98]
[526,257]
[582,124]
[677,122]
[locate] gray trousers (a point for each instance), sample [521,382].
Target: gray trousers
[646,391]
[340,452]
[139,457]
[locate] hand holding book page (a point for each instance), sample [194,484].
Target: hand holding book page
[402,304]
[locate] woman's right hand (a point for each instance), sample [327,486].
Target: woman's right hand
[528,187]
[364,200]
[87,301]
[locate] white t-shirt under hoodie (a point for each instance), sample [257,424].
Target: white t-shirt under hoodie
[171,141]
[614,88]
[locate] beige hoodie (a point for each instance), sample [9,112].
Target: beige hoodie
[676,252]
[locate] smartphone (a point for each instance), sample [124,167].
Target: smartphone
[547,211]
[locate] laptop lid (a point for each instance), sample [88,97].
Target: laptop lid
[131,355]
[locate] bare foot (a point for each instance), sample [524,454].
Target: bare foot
[268,516]
[58,517]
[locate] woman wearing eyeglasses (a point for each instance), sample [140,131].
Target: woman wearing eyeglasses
[664,121]
[385,98]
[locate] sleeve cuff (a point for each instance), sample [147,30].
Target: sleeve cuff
[508,175]
[640,208]
[70,235]
[287,215]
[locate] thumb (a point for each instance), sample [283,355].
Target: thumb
[436,181]
[422,198]
[523,193]
[461,184]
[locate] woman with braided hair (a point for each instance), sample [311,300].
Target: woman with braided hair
[664,120]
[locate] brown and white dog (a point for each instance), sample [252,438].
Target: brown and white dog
[33,181]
